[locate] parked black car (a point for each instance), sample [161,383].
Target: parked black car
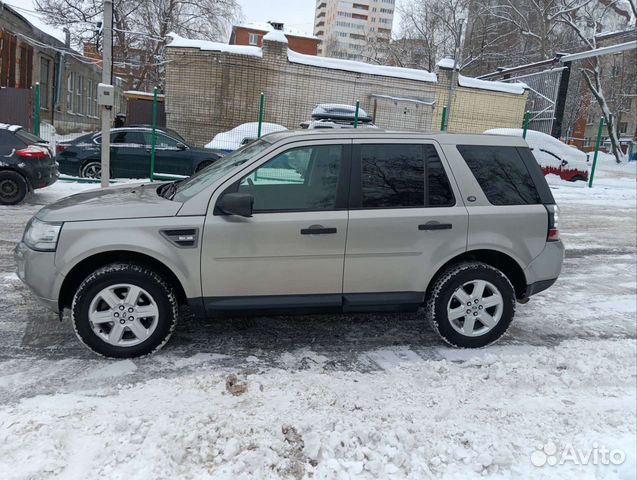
[26,163]
[130,154]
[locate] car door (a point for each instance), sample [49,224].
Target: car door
[290,252]
[172,157]
[129,158]
[406,220]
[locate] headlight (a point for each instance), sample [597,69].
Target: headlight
[42,236]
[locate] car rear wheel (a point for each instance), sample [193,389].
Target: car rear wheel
[13,187]
[471,305]
[124,311]
[91,169]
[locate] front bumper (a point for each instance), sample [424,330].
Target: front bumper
[37,271]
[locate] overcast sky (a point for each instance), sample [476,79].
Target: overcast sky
[298,14]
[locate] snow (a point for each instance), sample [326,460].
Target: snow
[11,128]
[469,82]
[266,27]
[141,93]
[337,109]
[205,45]
[447,63]
[233,139]
[361,67]
[355,396]
[275,36]
[26,10]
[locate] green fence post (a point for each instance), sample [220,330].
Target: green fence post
[358,106]
[443,122]
[527,118]
[36,127]
[597,144]
[153,137]
[261,107]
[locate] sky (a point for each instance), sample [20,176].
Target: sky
[297,14]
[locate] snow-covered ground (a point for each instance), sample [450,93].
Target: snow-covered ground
[361,396]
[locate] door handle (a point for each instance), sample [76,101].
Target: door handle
[318,230]
[435,226]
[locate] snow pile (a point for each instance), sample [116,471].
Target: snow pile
[469,82]
[446,63]
[244,133]
[275,36]
[205,45]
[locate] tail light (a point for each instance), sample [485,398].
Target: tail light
[60,148]
[34,152]
[553,234]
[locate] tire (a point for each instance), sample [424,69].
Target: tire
[91,169]
[459,281]
[13,187]
[154,311]
[203,165]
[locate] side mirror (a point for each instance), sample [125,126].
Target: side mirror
[236,204]
[181,146]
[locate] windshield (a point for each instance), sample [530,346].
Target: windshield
[209,175]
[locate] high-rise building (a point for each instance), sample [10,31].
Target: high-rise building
[355,30]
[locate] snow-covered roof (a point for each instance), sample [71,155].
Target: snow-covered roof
[469,82]
[206,45]
[266,27]
[446,63]
[276,36]
[139,93]
[8,126]
[361,67]
[35,19]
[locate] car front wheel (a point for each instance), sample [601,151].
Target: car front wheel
[124,310]
[471,305]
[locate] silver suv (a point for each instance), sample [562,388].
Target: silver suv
[305,222]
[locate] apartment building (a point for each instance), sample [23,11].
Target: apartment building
[354,30]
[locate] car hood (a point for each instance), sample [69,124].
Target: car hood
[125,201]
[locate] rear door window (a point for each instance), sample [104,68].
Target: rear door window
[127,138]
[502,173]
[403,176]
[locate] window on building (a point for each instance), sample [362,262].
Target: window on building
[253,39]
[623,127]
[45,66]
[501,173]
[90,111]
[70,87]
[79,95]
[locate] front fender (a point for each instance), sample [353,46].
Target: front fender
[81,240]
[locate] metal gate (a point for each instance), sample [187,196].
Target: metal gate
[16,107]
[543,97]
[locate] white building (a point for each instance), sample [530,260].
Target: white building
[355,29]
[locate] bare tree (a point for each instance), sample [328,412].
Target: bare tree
[140,28]
[587,23]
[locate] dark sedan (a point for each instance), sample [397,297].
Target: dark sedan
[130,154]
[25,164]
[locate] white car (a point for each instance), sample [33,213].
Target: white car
[241,135]
[554,156]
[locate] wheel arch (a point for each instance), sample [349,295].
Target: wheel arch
[85,267]
[503,262]
[22,173]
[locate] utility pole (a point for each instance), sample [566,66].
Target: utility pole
[107,57]
[457,57]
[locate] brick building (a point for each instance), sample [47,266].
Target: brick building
[252,34]
[68,83]
[213,87]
